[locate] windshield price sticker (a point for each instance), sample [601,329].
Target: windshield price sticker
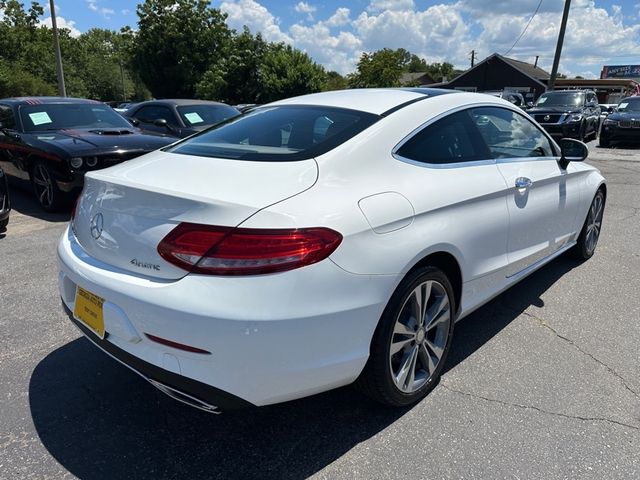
[623,105]
[542,100]
[38,118]
[193,117]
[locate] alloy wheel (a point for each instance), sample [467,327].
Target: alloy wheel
[420,336]
[594,222]
[43,185]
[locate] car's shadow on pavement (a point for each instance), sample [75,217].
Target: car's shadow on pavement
[23,201]
[99,420]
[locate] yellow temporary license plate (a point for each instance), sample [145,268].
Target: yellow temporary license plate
[88,310]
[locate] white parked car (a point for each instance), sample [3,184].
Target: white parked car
[321,240]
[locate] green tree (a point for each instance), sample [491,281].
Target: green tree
[379,69]
[334,81]
[287,72]
[176,43]
[236,78]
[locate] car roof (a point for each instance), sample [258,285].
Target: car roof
[179,102]
[45,100]
[372,100]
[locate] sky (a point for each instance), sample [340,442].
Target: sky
[336,32]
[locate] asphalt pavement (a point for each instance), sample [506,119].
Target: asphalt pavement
[542,383]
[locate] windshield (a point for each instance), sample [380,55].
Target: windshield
[556,99]
[285,133]
[60,116]
[201,115]
[629,106]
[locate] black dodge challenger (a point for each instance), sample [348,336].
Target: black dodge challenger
[53,141]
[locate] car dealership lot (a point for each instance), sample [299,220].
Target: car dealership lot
[541,383]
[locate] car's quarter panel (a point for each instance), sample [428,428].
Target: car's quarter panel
[272,337]
[133,217]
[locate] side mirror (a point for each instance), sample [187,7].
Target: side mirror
[572,151]
[160,122]
[134,121]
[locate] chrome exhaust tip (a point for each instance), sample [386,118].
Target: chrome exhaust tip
[184,397]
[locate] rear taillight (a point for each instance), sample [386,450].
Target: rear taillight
[243,251]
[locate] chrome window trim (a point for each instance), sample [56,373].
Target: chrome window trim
[473,163]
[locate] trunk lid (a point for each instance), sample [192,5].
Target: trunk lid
[126,210]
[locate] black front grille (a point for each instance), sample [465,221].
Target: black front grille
[551,118]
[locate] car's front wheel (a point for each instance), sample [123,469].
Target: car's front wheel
[412,340]
[49,196]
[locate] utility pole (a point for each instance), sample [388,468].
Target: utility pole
[473,58]
[536,62]
[56,46]
[556,59]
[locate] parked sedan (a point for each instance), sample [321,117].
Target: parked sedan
[52,142]
[321,240]
[178,118]
[5,202]
[623,125]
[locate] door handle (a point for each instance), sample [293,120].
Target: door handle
[523,182]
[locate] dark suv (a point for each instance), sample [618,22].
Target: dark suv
[568,113]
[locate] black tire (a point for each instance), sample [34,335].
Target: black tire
[587,243]
[377,380]
[582,133]
[604,142]
[3,224]
[49,196]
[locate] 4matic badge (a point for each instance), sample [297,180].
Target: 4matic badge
[150,266]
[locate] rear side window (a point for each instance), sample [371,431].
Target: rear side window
[453,139]
[279,133]
[509,134]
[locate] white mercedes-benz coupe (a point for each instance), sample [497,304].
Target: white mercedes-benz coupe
[319,241]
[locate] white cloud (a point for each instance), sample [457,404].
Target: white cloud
[105,12]
[256,17]
[62,22]
[304,7]
[125,11]
[393,5]
[341,17]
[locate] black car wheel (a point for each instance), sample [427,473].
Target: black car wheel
[49,196]
[412,340]
[582,133]
[604,142]
[590,233]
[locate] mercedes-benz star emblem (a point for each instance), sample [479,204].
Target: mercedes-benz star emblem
[97,223]
[547,118]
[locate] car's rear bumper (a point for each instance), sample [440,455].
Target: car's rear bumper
[180,387]
[271,338]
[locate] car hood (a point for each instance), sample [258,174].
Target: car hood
[96,140]
[624,116]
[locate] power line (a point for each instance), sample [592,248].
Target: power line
[525,28]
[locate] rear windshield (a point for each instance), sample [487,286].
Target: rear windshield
[200,115]
[59,116]
[279,133]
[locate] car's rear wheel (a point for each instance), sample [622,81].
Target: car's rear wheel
[412,340]
[590,233]
[49,196]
